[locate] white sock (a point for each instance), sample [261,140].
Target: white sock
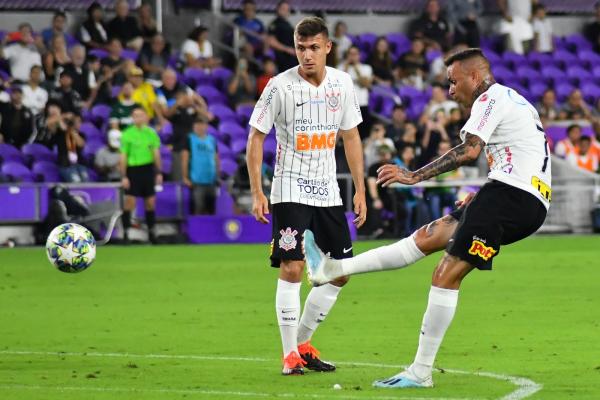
[437,318]
[393,256]
[287,305]
[317,306]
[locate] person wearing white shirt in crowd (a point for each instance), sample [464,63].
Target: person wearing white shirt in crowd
[542,29]
[362,76]
[35,97]
[24,54]
[515,24]
[197,51]
[341,39]
[439,101]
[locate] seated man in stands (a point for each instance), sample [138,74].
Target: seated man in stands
[569,145]
[575,107]
[65,95]
[24,53]
[125,27]
[586,156]
[69,144]
[120,115]
[107,158]
[35,96]
[16,126]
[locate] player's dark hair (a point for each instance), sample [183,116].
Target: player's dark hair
[467,54]
[311,26]
[59,13]
[195,34]
[572,126]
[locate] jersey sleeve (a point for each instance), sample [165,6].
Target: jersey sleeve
[351,116]
[266,108]
[486,113]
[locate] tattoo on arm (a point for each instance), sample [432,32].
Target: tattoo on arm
[457,156]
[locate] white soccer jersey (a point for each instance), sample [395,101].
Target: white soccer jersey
[307,119]
[516,146]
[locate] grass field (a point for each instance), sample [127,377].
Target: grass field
[175,322]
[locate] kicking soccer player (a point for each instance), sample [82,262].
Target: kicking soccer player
[310,105]
[510,207]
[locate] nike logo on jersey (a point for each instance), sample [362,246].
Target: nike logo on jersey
[347,250]
[301,104]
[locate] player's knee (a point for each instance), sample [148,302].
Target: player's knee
[450,272]
[341,281]
[425,241]
[291,271]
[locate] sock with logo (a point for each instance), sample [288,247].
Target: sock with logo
[393,256]
[287,306]
[317,306]
[437,318]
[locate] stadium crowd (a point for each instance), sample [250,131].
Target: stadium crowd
[67,97]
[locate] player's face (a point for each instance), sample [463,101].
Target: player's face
[311,52]
[462,85]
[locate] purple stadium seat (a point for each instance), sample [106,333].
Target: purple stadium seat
[399,43]
[45,171]
[223,112]
[563,90]
[91,148]
[221,76]
[244,112]
[196,76]
[492,56]
[553,74]
[224,151]
[527,74]
[556,133]
[238,146]
[565,58]
[228,167]
[270,149]
[502,74]
[578,75]
[114,92]
[211,130]
[90,131]
[211,94]
[577,42]
[100,53]
[101,113]
[166,162]
[233,130]
[538,60]
[590,92]
[513,59]
[589,57]
[129,54]
[38,152]
[17,172]
[165,132]
[408,93]
[537,89]
[8,152]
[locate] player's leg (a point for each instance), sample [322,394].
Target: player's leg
[149,207]
[426,240]
[332,233]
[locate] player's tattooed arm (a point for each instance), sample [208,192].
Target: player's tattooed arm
[462,154]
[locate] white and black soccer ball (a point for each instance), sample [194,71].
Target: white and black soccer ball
[71,248]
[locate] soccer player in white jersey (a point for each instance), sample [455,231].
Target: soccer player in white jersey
[509,207]
[310,106]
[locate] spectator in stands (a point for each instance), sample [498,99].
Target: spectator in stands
[58,28]
[341,39]
[596,137]
[439,100]
[50,124]
[84,80]
[69,145]
[141,170]
[143,93]
[569,145]
[167,95]
[70,101]
[362,76]
[381,199]
[16,125]
[431,27]
[125,27]
[381,62]
[116,62]
[120,114]
[252,27]
[434,133]
[35,97]
[103,75]
[410,204]
[24,53]
[200,166]
[92,32]
[411,68]
[542,30]
[154,58]
[375,140]
[516,25]
[454,125]
[575,107]
[585,156]
[107,158]
[269,71]
[242,85]
[281,38]
[547,107]
[147,23]
[462,17]
[332,59]
[395,129]
[592,30]
[197,51]
[440,198]
[55,59]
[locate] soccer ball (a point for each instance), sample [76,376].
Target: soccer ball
[71,248]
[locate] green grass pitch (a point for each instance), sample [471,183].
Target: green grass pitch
[198,322]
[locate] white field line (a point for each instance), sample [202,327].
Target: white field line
[525,387]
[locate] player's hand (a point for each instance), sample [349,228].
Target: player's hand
[260,207]
[360,209]
[465,201]
[125,183]
[390,173]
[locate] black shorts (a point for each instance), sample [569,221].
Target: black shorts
[290,220]
[141,181]
[499,214]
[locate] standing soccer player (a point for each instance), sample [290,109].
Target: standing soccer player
[510,207]
[309,105]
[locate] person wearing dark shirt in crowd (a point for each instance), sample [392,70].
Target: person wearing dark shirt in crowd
[154,57]
[84,80]
[107,158]
[454,125]
[381,62]
[49,125]
[116,62]
[412,67]
[103,75]
[592,30]
[69,144]
[395,129]
[59,23]
[167,95]
[253,27]
[65,95]
[462,17]
[120,114]
[547,107]
[93,31]
[55,59]
[281,38]
[381,198]
[147,23]
[125,27]
[200,166]
[242,85]
[435,132]
[575,107]
[431,27]
[269,71]
[16,127]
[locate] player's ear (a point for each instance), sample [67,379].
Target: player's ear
[328,46]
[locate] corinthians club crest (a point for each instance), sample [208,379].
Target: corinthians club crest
[288,239]
[333,101]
